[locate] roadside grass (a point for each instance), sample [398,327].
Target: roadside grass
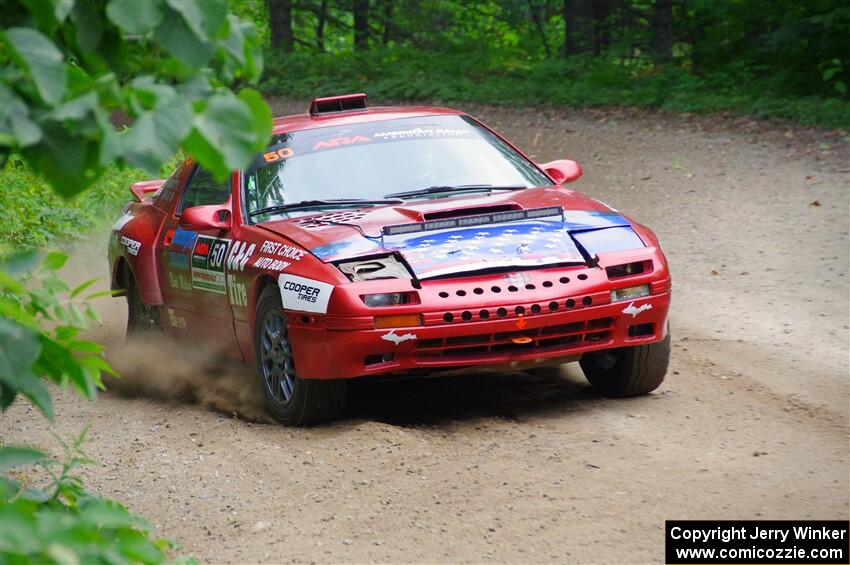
[515,80]
[33,215]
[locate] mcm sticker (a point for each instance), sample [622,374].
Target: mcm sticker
[303,294]
[239,254]
[131,245]
[236,292]
[208,258]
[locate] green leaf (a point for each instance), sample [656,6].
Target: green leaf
[81,287]
[75,109]
[261,117]
[205,17]
[100,513]
[89,23]
[55,260]
[134,16]
[16,127]
[67,162]
[13,455]
[43,61]
[223,139]
[181,41]
[19,349]
[20,263]
[156,135]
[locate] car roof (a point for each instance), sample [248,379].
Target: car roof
[299,122]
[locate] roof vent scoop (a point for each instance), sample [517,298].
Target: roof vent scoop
[337,104]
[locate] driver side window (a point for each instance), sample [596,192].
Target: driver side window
[204,190]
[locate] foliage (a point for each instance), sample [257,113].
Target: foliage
[769,58]
[411,74]
[69,67]
[40,325]
[35,216]
[63,522]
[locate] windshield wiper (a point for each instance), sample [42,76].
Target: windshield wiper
[318,204]
[449,188]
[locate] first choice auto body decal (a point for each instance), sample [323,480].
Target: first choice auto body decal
[212,256]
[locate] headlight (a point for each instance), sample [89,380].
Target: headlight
[628,269]
[387,299]
[629,293]
[375,268]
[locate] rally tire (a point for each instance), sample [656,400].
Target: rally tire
[142,320]
[309,401]
[627,371]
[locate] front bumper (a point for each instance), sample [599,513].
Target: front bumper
[523,334]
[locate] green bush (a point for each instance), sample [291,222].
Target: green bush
[505,77]
[34,215]
[41,318]
[63,522]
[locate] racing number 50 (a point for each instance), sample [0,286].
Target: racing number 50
[217,253]
[273,156]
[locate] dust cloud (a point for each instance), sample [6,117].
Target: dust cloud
[156,368]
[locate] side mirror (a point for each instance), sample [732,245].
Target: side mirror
[562,171]
[206,217]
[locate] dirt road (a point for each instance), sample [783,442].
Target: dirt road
[751,422]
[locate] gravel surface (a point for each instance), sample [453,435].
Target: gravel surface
[752,421]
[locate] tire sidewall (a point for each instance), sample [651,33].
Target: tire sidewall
[268,300]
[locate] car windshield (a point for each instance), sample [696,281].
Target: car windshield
[372,160]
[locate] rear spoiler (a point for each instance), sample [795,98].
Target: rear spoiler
[142,188]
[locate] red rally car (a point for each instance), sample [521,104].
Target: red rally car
[392,241]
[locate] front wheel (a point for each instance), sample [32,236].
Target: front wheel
[627,371]
[291,400]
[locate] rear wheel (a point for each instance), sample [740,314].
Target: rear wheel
[627,371]
[292,401]
[142,320]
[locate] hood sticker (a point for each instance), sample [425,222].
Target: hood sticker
[393,337]
[634,311]
[527,243]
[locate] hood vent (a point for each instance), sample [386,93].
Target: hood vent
[462,212]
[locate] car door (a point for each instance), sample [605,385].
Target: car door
[193,266]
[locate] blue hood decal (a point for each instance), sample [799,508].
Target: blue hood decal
[526,243]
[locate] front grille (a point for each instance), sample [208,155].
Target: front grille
[545,340]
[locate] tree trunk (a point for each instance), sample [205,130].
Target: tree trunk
[320,25]
[662,30]
[601,11]
[575,27]
[280,24]
[388,22]
[537,18]
[361,25]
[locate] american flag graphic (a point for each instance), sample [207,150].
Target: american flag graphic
[509,244]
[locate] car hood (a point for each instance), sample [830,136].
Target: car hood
[461,234]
